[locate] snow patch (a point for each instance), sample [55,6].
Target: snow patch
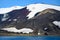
[45,28]
[14,19]
[57,23]
[5,17]
[39,33]
[13,29]
[9,20]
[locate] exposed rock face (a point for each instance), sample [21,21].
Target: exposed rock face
[42,22]
[15,18]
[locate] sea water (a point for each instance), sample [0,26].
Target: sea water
[29,37]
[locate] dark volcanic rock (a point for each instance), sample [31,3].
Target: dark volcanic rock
[43,22]
[16,18]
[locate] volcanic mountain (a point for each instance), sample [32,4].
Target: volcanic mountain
[39,17]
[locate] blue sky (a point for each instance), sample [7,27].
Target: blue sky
[9,3]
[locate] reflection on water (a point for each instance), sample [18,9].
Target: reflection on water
[29,37]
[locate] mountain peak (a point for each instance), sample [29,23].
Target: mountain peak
[39,7]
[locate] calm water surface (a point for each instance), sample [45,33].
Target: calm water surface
[29,37]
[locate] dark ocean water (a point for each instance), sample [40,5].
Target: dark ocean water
[29,37]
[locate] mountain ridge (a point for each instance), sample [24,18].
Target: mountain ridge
[40,21]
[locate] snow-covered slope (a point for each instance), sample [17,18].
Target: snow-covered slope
[34,8]
[6,10]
